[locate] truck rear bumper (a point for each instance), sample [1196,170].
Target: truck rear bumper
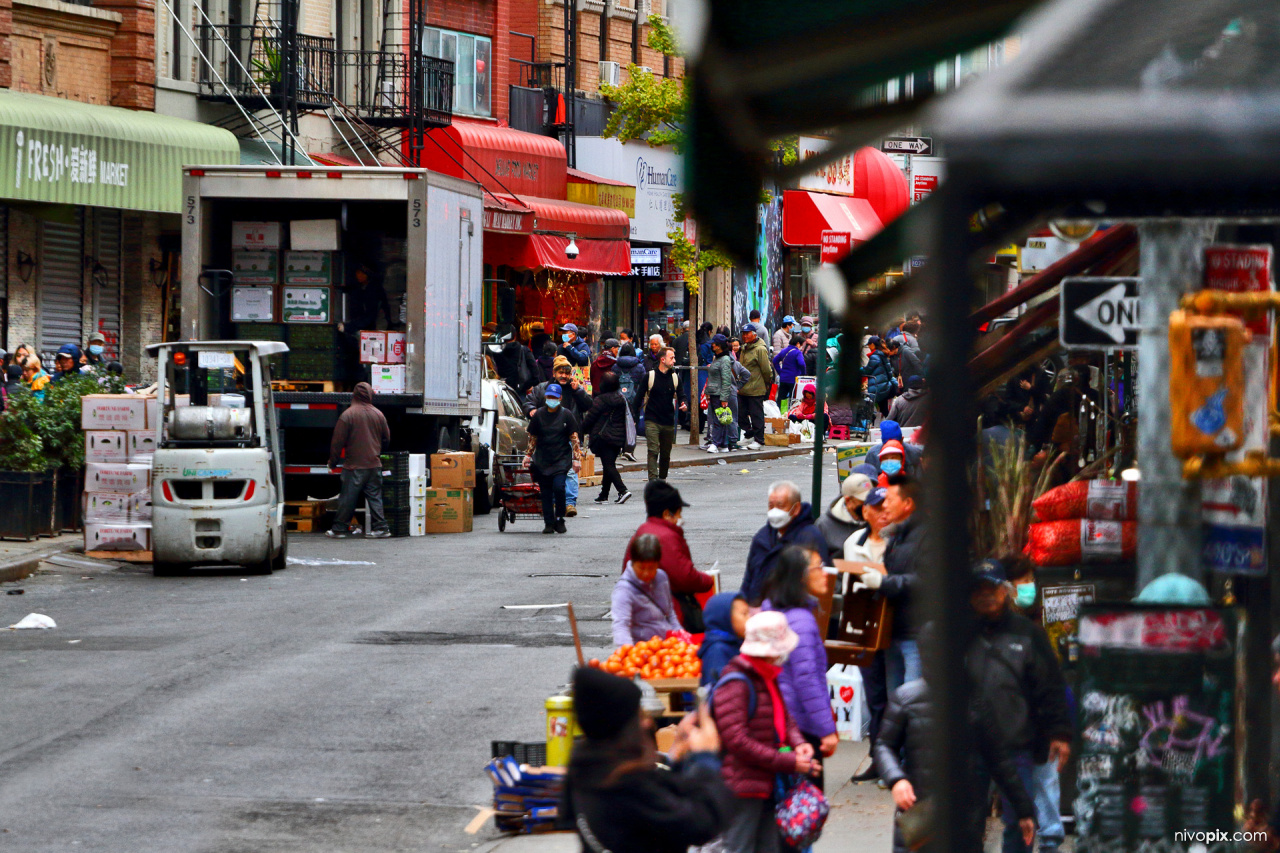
[238,535]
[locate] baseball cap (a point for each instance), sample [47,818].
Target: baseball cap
[915,383]
[990,571]
[720,341]
[69,349]
[788,319]
[748,327]
[98,336]
[553,390]
[876,496]
[856,486]
[569,327]
[611,343]
[892,448]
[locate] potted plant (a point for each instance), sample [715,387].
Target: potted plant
[268,70]
[26,484]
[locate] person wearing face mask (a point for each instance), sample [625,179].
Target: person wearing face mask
[95,348]
[554,451]
[782,337]
[641,604]
[793,588]
[758,734]
[573,347]
[788,521]
[1014,669]
[892,458]
[664,508]
[891,430]
[844,517]
[575,400]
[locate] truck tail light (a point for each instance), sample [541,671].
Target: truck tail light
[248,492]
[196,173]
[303,175]
[333,174]
[168,493]
[273,173]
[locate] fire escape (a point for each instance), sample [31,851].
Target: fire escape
[379,102]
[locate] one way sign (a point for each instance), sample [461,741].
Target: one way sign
[1099,313]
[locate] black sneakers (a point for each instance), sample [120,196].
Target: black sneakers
[549,529]
[600,499]
[560,528]
[623,498]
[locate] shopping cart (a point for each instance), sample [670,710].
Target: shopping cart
[518,494]
[864,417]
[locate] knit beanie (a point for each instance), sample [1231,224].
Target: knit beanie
[603,703]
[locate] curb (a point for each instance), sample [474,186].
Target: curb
[715,458]
[26,565]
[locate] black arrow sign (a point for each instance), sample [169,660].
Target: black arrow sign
[919,145]
[1099,313]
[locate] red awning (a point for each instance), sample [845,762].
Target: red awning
[529,214]
[577,176]
[503,215]
[502,159]
[547,251]
[331,159]
[805,215]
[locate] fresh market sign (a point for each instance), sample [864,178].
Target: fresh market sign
[53,161]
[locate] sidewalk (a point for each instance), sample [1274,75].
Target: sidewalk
[685,455]
[20,559]
[861,819]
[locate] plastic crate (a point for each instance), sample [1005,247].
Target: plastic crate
[397,464]
[534,754]
[395,495]
[312,337]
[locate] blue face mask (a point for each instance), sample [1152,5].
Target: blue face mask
[553,403]
[95,349]
[806,328]
[565,337]
[1026,594]
[891,466]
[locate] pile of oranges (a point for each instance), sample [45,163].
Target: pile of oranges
[669,658]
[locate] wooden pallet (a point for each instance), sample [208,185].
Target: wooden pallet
[303,509]
[300,525]
[315,386]
[122,556]
[588,482]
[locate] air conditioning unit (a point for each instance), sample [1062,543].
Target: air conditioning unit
[610,73]
[644,69]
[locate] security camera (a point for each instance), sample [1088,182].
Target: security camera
[571,250]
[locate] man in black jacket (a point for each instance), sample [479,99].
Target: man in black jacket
[904,759]
[906,534]
[1014,670]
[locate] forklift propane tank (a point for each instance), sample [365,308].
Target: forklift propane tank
[210,423]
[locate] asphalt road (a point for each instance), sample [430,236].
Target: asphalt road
[335,707]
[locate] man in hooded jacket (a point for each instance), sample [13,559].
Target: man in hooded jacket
[790,522]
[358,441]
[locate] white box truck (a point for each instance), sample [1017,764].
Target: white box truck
[416,233]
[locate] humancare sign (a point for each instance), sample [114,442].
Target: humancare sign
[656,173]
[65,152]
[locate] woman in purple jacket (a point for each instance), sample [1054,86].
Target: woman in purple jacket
[792,589]
[788,365]
[642,606]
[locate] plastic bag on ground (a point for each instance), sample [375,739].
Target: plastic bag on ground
[771,409]
[33,620]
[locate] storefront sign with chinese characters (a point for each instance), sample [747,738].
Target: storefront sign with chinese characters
[835,177]
[646,262]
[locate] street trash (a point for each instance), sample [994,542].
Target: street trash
[33,620]
[307,561]
[771,409]
[15,592]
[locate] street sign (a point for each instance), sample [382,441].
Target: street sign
[835,245]
[1099,313]
[922,145]
[1240,269]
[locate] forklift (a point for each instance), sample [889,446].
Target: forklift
[217,481]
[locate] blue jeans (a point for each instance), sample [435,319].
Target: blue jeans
[902,664]
[1041,782]
[571,488]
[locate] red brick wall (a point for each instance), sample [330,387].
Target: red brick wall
[133,54]
[6,43]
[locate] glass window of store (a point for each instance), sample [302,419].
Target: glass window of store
[471,56]
[798,297]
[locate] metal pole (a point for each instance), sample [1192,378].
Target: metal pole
[819,415]
[1172,263]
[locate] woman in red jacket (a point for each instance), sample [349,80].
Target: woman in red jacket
[663,506]
[758,736]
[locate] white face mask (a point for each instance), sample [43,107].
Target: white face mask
[782,659]
[778,518]
[680,521]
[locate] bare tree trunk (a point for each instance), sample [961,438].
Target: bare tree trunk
[694,396]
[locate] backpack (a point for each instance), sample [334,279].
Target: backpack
[724,679]
[627,385]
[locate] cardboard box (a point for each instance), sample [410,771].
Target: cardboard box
[418,507]
[153,412]
[315,235]
[105,446]
[453,470]
[775,440]
[117,536]
[850,455]
[418,486]
[140,506]
[775,426]
[116,477]
[373,347]
[141,445]
[417,527]
[387,378]
[417,465]
[396,347]
[448,511]
[794,438]
[113,411]
[588,468]
[106,507]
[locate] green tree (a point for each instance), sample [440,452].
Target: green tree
[21,448]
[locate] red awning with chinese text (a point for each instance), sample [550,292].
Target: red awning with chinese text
[547,251]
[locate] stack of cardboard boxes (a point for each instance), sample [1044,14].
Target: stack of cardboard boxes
[444,504]
[119,443]
[384,353]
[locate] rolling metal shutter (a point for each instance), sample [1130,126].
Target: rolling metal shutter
[61,285]
[4,277]
[106,279]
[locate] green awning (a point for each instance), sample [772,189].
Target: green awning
[65,152]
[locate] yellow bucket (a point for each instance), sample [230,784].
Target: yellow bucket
[561,728]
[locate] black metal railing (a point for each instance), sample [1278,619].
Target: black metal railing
[251,62]
[379,87]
